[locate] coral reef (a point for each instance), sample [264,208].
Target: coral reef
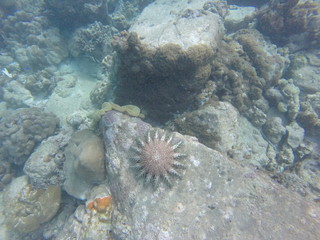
[309,115]
[71,14]
[32,42]
[41,83]
[244,67]
[285,97]
[157,158]
[283,20]
[21,130]
[218,125]
[93,41]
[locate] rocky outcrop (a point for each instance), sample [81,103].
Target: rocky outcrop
[215,196]
[164,62]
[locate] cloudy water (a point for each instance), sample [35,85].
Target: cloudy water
[159,119]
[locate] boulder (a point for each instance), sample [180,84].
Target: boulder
[215,196]
[84,165]
[164,60]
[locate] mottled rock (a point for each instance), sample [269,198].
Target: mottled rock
[295,135]
[87,222]
[285,96]
[238,17]
[16,95]
[27,207]
[215,125]
[21,130]
[185,26]
[216,196]
[84,165]
[6,174]
[309,171]
[44,166]
[274,129]
[219,126]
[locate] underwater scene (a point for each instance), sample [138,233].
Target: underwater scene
[159,119]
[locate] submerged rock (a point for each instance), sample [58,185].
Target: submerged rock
[44,166]
[219,126]
[84,165]
[215,195]
[164,62]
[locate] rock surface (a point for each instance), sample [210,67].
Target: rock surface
[164,62]
[26,207]
[44,166]
[21,130]
[84,165]
[186,25]
[215,197]
[220,126]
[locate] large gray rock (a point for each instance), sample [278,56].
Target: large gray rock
[216,197]
[181,22]
[219,126]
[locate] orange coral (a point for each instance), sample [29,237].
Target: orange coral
[101,205]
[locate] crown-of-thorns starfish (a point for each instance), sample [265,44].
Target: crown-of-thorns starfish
[156,158]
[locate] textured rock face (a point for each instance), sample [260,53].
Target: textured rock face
[186,26]
[44,166]
[21,130]
[215,197]
[84,164]
[165,61]
[219,126]
[26,207]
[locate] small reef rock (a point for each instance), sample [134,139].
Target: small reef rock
[214,196]
[84,165]
[164,62]
[21,130]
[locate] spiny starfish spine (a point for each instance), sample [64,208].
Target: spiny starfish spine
[156,158]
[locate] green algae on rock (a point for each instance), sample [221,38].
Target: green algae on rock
[131,110]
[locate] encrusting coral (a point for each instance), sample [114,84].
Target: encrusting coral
[100,205]
[157,158]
